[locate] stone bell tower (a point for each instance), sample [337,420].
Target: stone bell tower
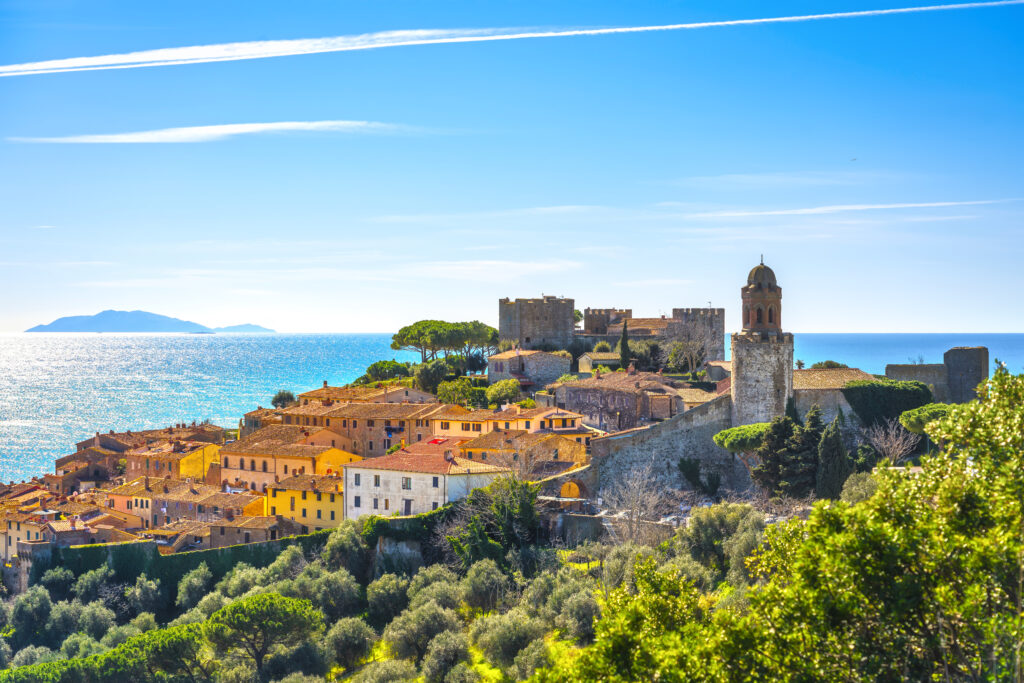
[762,354]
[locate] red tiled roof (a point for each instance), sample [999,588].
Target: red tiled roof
[425,464]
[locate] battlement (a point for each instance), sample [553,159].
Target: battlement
[762,338]
[547,322]
[692,313]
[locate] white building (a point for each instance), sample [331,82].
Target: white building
[411,484]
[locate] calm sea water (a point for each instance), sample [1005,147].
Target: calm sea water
[56,389]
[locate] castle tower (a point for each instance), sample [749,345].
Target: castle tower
[762,354]
[548,322]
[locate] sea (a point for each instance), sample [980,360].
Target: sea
[58,388]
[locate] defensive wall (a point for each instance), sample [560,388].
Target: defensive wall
[952,381]
[662,444]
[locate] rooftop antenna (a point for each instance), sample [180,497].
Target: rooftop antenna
[762,259]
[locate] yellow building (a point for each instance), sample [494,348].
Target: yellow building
[314,501]
[177,459]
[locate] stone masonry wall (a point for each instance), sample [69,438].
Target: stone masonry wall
[706,322]
[545,368]
[662,444]
[935,375]
[762,377]
[608,409]
[967,367]
[534,323]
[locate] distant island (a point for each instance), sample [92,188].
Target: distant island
[138,321]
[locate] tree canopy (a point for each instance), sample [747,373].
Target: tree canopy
[433,337]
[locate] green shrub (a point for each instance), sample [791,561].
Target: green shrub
[875,401]
[742,439]
[411,632]
[386,597]
[387,671]
[445,651]
[858,487]
[349,641]
[503,636]
[485,585]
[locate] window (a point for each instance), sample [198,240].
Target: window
[318,514]
[252,465]
[506,425]
[376,480]
[375,502]
[303,512]
[436,480]
[332,515]
[227,462]
[477,427]
[273,510]
[264,465]
[483,456]
[292,504]
[771,314]
[542,424]
[355,479]
[344,423]
[465,426]
[434,505]
[369,423]
[332,443]
[527,424]
[419,437]
[327,422]
[759,316]
[407,483]
[556,454]
[387,423]
[332,497]
[246,536]
[387,444]
[355,502]
[371,445]
[355,423]
[445,425]
[286,469]
[386,503]
[273,493]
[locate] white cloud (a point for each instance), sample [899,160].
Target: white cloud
[839,208]
[43,227]
[219,132]
[282,48]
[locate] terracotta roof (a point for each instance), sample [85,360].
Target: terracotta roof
[636,325]
[73,507]
[507,355]
[623,381]
[262,412]
[425,464]
[65,525]
[146,487]
[23,517]
[279,440]
[195,493]
[507,439]
[386,411]
[246,522]
[309,482]
[436,446]
[831,378]
[693,396]
[133,439]
[171,450]
[363,392]
[225,500]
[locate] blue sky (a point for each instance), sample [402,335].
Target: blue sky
[875,161]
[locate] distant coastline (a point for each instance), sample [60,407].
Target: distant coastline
[140,321]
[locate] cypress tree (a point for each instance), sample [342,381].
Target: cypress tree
[772,456]
[791,411]
[833,464]
[624,346]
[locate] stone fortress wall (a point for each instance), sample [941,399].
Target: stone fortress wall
[661,445]
[534,323]
[954,380]
[762,376]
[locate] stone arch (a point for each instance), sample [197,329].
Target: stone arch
[570,489]
[760,315]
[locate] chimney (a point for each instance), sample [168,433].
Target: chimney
[325,384]
[146,482]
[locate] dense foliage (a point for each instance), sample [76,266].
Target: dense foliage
[875,401]
[433,337]
[919,581]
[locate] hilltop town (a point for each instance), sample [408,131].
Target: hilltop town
[549,401]
[560,439]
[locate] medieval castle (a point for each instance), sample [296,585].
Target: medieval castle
[755,385]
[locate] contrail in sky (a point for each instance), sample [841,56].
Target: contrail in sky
[225,52]
[219,132]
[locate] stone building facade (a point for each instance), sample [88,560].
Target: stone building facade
[705,324]
[531,368]
[618,400]
[954,380]
[762,354]
[548,322]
